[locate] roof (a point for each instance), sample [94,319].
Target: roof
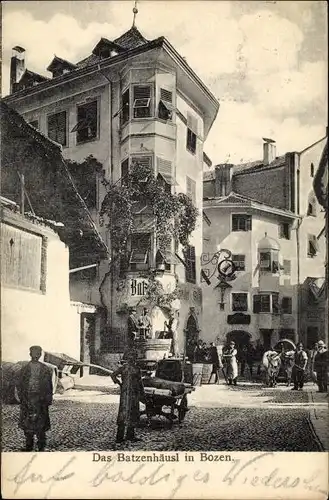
[56,198]
[244,201]
[58,61]
[268,243]
[131,39]
[248,167]
[34,75]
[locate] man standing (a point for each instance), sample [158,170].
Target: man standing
[321,362]
[298,371]
[132,391]
[229,355]
[216,362]
[132,326]
[145,324]
[35,393]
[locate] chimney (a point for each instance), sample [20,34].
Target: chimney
[17,66]
[269,151]
[223,179]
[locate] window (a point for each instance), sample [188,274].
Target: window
[266,303]
[166,257]
[165,105]
[286,305]
[87,122]
[140,246]
[141,160]
[312,245]
[192,130]
[191,189]
[124,172]
[34,124]
[190,269]
[57,128]
[284,231]
[142,101]
[239,262]
[165,176]
[287,267]
[311,209]
[239,302]
[191,141]
[312,170]
[269,261]
[125,110]
[23,259]
[241,222]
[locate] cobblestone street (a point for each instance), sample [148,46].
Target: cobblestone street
[246,417]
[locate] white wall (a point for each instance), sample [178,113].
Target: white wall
[48,320]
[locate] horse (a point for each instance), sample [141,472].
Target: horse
[272,363]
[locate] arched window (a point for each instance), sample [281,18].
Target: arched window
[312,170]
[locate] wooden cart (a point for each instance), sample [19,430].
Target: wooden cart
[156,399]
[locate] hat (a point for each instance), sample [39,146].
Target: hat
[321,343]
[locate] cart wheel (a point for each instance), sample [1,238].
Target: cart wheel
[182,409]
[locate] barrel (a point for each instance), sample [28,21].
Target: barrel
[197,373]
[206,372]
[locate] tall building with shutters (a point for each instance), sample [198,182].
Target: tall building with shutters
[131,100]
[264,217]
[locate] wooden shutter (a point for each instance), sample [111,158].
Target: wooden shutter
[256,303]
[166,96]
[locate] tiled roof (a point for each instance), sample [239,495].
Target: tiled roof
[34,75]
[131,39]
[58,61]
[253,166]
[249,167]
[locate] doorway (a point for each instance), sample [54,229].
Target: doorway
[312,336]
[191,336]
[266,338]
[87,341]
[240,337]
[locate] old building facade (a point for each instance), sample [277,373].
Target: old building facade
[266,216]
[131,100]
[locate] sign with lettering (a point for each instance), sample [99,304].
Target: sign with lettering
[138,287]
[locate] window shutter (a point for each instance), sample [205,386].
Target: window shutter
[142,92]
[248,223]
[166,95]
[256,304]
[164,167]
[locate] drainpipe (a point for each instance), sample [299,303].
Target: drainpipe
[298,281]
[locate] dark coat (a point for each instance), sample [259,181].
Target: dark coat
[132,391]
[34,414]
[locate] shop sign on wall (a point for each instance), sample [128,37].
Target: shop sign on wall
[138,287]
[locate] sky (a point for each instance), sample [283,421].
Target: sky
[265,61]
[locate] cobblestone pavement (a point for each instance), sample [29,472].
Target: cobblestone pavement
[246,417]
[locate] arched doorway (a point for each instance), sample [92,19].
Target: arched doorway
[240,337]
[191,335]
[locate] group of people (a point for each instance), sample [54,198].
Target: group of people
[35,388]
